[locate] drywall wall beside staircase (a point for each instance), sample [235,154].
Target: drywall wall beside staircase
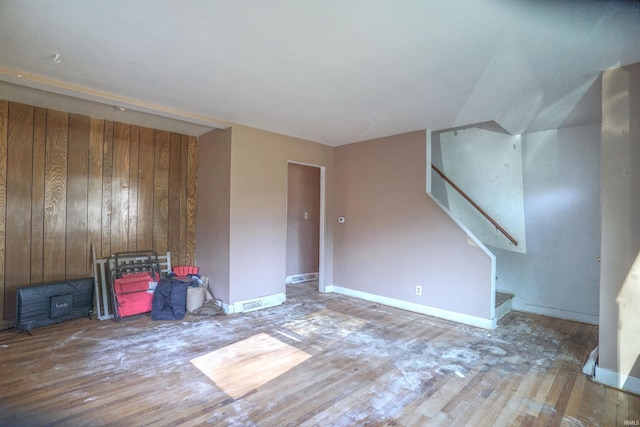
[559,274]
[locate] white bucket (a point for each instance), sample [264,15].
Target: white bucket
[195,298]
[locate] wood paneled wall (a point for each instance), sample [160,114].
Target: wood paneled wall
[68,181]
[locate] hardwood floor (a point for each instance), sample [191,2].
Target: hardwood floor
[344,362]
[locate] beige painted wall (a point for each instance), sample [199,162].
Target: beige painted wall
[620,197]
[213,212]
[258,222]
[303,219]
[396,237]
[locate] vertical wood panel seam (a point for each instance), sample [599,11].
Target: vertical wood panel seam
[40,186]
[134,172]
[95,190]
[153,197]
[153,190]
[107,174]
[86,214]
[4,128]
[66,192]
[183,200]
[33,141]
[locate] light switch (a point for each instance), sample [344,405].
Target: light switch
[306,215]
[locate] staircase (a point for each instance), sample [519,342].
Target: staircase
[503,303]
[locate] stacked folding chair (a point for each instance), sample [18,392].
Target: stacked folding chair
[133,280]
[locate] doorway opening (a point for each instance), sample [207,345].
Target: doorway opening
[305,224]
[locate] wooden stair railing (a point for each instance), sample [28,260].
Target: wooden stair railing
[475,205]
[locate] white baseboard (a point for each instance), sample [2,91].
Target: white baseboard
[255,303]
[519,305]
[417,308]
[617,380]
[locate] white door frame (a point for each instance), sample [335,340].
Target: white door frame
[321,249]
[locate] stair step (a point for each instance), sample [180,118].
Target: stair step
[503,304]
[501,298]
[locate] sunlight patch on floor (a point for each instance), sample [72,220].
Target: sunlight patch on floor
[248,364]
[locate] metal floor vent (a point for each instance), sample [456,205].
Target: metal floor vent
[251,305]
[304,278]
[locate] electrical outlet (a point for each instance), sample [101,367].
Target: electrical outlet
[418,290]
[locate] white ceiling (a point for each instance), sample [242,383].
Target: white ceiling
[329,71]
